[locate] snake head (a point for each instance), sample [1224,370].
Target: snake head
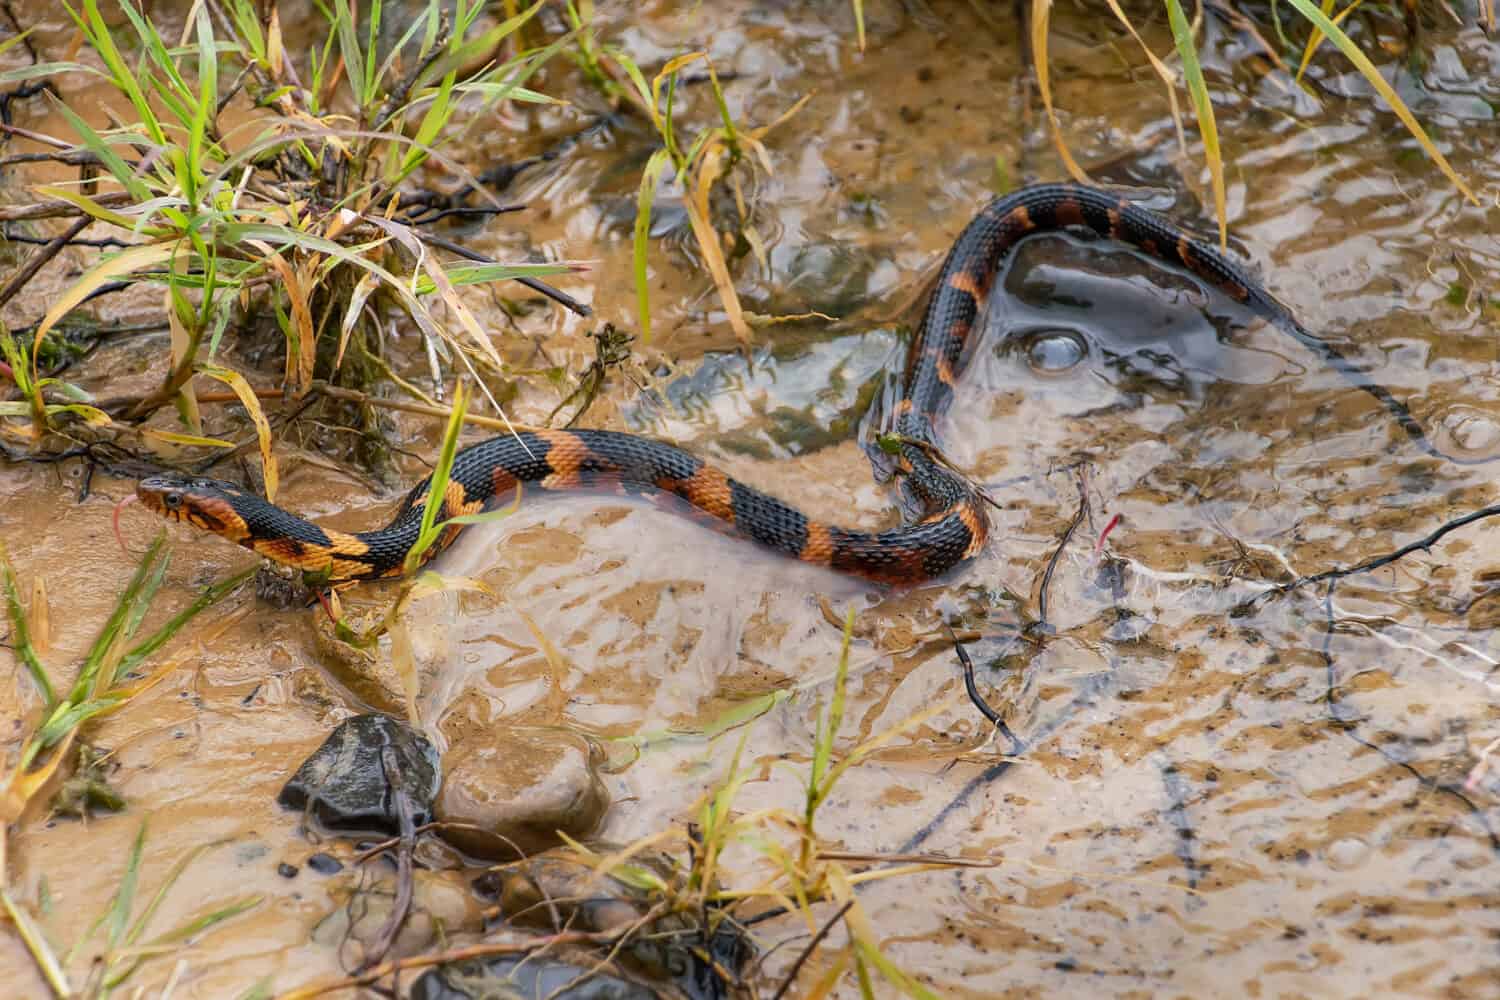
[209,504]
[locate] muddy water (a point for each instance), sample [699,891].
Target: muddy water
[1266,801]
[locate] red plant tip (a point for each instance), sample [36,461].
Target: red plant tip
[119,536]
[7,371]
[1099,545]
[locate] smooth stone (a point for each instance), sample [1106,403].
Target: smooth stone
[519,787]
[325,864]
[344,783]
[523,977]
[1347,853]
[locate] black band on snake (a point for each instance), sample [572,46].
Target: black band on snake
[950,526]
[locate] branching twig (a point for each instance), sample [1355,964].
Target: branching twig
[1423,544]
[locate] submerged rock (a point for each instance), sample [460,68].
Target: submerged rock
[359,921]
[346,784]
[524,977]
[519,787]
[563,889]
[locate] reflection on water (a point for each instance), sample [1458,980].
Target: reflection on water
[1262,797]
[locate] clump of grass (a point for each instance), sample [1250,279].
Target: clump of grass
[803,872]
[107,680]
[713,154]
[301,213]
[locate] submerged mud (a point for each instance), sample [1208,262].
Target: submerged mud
[1221,789]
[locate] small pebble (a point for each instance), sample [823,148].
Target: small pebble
[286,871]
[1346,853]
[325,864]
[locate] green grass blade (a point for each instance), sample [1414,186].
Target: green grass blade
[205,600]
[123,608]
[891,971]
[178,95]
[38,70]
[117,920]
[96,29]
[175,873]
[438,489]
[476,274]
[198,925]
[372,44]
[1361,62]
[433,122]
[147,594]
[69,715]
[1187,50]
[112,161]
[20,632]
[207,106]
[828,727]
[649,179]
[354,62]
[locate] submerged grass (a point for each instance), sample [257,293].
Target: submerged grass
[801,872]
[107,680]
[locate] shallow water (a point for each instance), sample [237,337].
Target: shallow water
[1265,801]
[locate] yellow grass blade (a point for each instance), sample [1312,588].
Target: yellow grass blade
[1041,15]
[696,200]
[191,440]
[124,262]
[242,389]
[1362,63]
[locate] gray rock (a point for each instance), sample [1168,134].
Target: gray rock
[346,786]
[520,977]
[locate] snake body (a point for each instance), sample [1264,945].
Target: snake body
[949,526]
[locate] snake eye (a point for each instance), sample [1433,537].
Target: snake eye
[172,501]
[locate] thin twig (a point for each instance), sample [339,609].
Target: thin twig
[40,258]
[59,208]
[812,946]
[556,295]
[1078,516]
[985,710]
